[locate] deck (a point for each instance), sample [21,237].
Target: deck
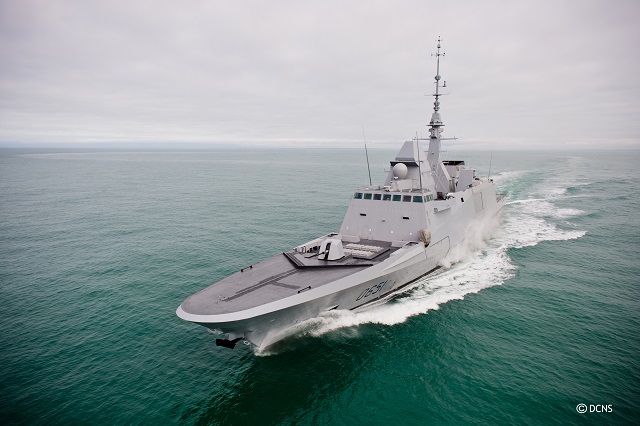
[282,276]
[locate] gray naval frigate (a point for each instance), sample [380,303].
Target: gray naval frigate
[391,235]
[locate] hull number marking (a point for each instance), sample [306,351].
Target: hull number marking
[372,290]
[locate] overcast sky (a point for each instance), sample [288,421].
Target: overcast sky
[535,74]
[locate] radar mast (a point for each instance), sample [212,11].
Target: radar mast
[436,125]
[436,121]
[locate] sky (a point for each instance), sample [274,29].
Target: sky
[520,74]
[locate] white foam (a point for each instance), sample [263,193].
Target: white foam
[557,187]
[544,208]
[477,235]
[508,176]
[528,200]
[554,192]
[527,227]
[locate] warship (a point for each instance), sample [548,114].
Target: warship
[391,236]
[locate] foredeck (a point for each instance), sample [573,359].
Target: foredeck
[278,277]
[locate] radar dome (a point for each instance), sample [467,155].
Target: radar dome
[400,170]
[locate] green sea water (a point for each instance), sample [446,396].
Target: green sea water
[98,249]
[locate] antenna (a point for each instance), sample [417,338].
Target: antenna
[436,104]
[435,125]
[419,162]
[367,153]
[490,158]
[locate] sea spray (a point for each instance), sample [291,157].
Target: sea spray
[477,234]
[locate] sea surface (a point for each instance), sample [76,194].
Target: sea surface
[99,248]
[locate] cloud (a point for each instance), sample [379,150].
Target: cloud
[541,74]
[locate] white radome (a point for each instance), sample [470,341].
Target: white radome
[400,170]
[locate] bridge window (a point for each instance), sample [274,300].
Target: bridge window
[386,197]
[417,199]
[358,195]
[367,196]
[397,197]
[406,198]
[377,196]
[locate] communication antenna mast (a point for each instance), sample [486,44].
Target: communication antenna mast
[490,158]
[436,124]
[419,162]
[367,153]
[436,104]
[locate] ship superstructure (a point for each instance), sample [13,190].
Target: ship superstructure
[391,235]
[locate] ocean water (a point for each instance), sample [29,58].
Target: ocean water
[538,313]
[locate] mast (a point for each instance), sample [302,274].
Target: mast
[436,121]
[368,168]
[435,125]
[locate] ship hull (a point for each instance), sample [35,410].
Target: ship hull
[266,324]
